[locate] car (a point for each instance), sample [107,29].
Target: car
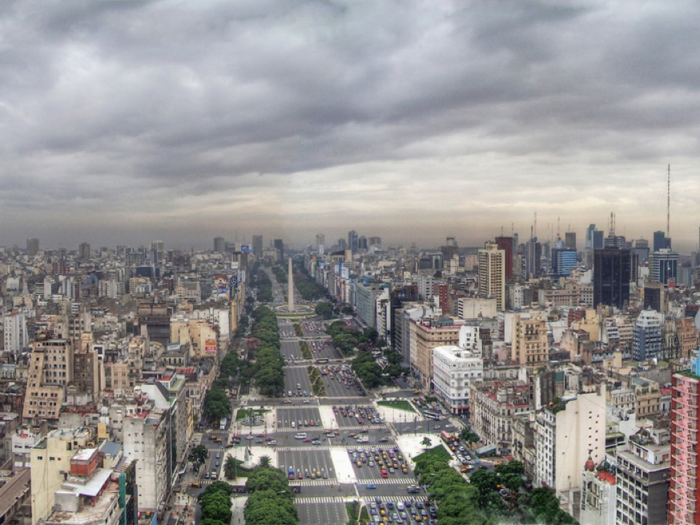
[196,485]
[206,475]
[384,474]
[371,486]
[331,434]
[306,402]
[383,440]
[250,437]
[300,475]
[308,440]
[272,442]
[315,442]
[294,424]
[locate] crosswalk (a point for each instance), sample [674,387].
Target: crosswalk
[319,499]
[393,499]
[303,449]
[388,481]
[315,482]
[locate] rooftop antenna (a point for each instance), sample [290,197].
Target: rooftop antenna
[501,231]
[512,229]
[558,229]
[668,205]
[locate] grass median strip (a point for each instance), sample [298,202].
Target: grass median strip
[398,404]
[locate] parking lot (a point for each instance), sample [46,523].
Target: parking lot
[296,375]
[285,416]
[290,350]
[306,462]
[322,512]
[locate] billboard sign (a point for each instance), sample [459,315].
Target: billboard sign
[210,345]
[173,347]
[245,248]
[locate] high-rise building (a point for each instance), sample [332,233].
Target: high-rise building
[563,261]
[32,247]
[219,245]
[84,251]
[506,244]
[492,274]
[342,244]
[320,240]
[659,241]
[647,340]
[258,246]
[362,242]
[611,277]
[643,479]
[534,258]
[353,241]
[375,241]
[279,246]
[684,492]
[664,266]
[530,344]
[570,240]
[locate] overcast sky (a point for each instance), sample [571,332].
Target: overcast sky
[126,121]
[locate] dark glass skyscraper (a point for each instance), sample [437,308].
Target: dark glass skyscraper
[611,277]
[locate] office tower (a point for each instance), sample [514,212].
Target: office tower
[570,240]
[647,342]
[589,245]
[506,244]
[684,492]
[258,246]
[375,241]
[563,261]
[659,241]
[342,245]
[664,266]
[353,241]
[320,240]
[279,246]
[598,240]
[654,296]
[219,245]
[534,257]
[611,277]
[492,274]
[84,251]
[15,334]
[32,247]
[362,242]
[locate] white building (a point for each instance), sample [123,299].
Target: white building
[16,336]
[566,435]
[473,307]
[598,497]
[454,369]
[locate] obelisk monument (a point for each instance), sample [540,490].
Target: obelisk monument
[290,285]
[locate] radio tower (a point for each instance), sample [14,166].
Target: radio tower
[668,205]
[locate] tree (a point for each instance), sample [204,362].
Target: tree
[426,442]
[469,436]
[265,461]
[217,486]
[198,455]
[230,468]
[324,309]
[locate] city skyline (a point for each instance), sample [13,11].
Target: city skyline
[412,122]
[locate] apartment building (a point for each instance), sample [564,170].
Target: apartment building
[530,345]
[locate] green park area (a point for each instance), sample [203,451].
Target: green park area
[244,413]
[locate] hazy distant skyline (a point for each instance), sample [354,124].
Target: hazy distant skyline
[123,122]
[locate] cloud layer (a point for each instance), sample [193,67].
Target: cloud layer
[123,121]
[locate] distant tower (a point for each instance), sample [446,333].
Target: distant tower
[290,284]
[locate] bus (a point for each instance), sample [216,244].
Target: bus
[447,438]
[431,415]
[321,360]
[223,424]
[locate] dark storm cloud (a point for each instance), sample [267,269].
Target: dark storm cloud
[147,106]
